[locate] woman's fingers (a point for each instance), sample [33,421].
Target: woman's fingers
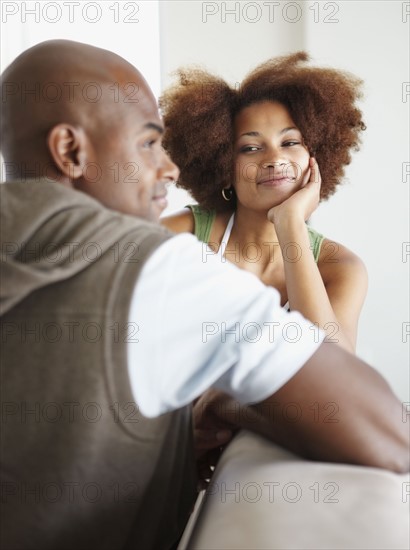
[306,178]
[315,176]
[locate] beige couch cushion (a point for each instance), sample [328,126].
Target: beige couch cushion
[263,497]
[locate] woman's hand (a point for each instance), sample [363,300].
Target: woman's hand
[302,203]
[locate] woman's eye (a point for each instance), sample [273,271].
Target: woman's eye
[290,143]
[249,149]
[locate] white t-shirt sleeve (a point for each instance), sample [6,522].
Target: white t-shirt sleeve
[203,323]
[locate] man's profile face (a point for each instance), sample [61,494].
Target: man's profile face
[127,169]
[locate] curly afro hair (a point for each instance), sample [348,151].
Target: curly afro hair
[200,109]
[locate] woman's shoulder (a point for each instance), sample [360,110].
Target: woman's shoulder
[180,222]
[336,260]
[207,225]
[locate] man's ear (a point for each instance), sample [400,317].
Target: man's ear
[67,146]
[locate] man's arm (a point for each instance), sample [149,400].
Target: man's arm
[336,409]
[203,324]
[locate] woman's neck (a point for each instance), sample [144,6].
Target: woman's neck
[253,226]
[253,243]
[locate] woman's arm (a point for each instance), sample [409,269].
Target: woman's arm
[330,293]
[345,279]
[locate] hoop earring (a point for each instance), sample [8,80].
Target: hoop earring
[230,193]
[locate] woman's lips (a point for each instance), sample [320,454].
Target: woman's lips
[275,182]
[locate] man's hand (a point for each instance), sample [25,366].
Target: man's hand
[211,432]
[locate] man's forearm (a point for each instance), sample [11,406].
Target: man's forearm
[336,409]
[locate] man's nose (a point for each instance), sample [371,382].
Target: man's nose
[169,170]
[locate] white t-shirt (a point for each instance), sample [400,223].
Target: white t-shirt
[202,323]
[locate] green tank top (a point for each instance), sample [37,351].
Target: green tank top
[204,219]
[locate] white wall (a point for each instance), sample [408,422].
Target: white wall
[130,29]
[369,214]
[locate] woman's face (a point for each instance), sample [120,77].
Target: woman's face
[271,157]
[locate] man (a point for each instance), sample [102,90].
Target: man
[103,316]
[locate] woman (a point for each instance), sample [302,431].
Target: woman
[251,158]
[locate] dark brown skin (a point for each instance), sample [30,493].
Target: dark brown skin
[335,409]
[110,149]
[68,135]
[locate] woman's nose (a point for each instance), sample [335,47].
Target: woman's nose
[273,158]
[273,163]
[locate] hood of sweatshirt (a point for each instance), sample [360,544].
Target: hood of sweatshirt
[50,233]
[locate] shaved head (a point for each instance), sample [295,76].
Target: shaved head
[60,81]
[87,118]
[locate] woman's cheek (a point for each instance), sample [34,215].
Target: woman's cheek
[238,171]
[251,172]
[303,168]
[247,172]
[305,177]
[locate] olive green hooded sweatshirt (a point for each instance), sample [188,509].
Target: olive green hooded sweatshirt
[81,467]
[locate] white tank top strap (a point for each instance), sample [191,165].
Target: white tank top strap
[226,236]
[225,240]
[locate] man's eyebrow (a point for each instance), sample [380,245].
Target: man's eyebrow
[153,126]
[257,134]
